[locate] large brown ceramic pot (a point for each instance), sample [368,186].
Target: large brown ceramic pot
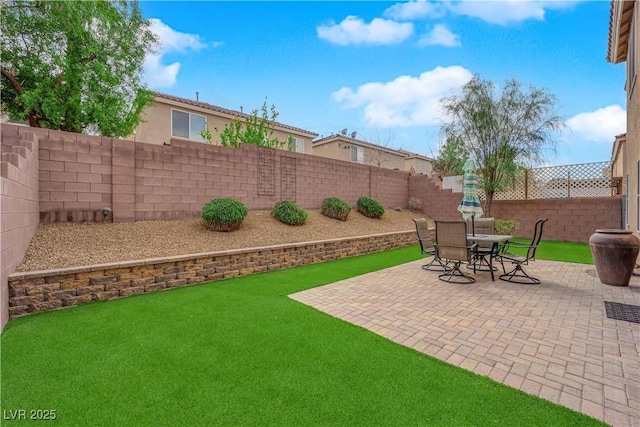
[615,253]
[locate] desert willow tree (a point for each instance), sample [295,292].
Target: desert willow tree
[381,156]
[501,132]
[74,65]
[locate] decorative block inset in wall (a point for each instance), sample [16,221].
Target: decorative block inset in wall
[266,171]
[288,178]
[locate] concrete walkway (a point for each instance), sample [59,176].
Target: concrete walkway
[551,340]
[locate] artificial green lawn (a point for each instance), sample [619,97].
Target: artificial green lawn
[240,352]
[558,251]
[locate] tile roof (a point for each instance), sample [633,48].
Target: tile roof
[344,138]
[222,110]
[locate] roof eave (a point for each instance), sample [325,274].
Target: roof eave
[342,138]
[617,146]
[620,17]
[223,112]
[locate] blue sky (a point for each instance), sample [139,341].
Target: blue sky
[381,68]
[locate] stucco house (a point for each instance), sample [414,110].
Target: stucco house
[617,162]
[181,118]
[624,46]
[351,149]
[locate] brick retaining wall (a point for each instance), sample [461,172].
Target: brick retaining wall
[38,291]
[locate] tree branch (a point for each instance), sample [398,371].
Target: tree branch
[12,79]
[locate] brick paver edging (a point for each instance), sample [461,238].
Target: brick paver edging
[36,291]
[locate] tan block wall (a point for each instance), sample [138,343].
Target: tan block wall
[19,198]
[571,220]
[49,290]
[437,203]
[176,181]
[80,175]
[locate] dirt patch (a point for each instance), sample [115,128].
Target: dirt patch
[72,245]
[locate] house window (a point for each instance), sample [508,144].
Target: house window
[357,154]
[296,145]
[187,125]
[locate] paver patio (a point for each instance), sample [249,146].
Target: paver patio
[551,340]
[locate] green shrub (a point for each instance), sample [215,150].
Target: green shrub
[224,214]
[506,226]
[336,208]
[415,204]
[370,207]
[289,213]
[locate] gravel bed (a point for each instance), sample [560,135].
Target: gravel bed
[73,245]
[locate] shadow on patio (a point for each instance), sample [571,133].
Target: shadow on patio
[552,340]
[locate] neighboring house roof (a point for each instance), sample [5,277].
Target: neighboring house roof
[620,17]
[419,156]
[617,146]
[354,141]
[226,111]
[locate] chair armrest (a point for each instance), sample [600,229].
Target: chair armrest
[508,245]
[458,247]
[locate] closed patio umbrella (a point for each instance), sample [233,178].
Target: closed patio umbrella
[470,206]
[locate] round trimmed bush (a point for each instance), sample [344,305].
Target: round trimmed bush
[415,204]
[224,214]
[370,207]
[336,208]
[506,226]
[289,213]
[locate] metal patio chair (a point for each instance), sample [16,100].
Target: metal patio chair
[484,250]
[452,247]
[518,275]
[427,246]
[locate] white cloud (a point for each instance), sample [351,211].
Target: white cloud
[353,30]
[601,125]
[174,41]
[507,11]
[169,41]
[407,100]
[415,10]
[440,35]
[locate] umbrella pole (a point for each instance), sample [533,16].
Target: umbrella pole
[473,225]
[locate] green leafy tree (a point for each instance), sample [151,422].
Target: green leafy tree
[74,65]
[501,131]
[257,128]
[451,157]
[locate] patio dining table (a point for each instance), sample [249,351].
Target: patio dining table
[495,240]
